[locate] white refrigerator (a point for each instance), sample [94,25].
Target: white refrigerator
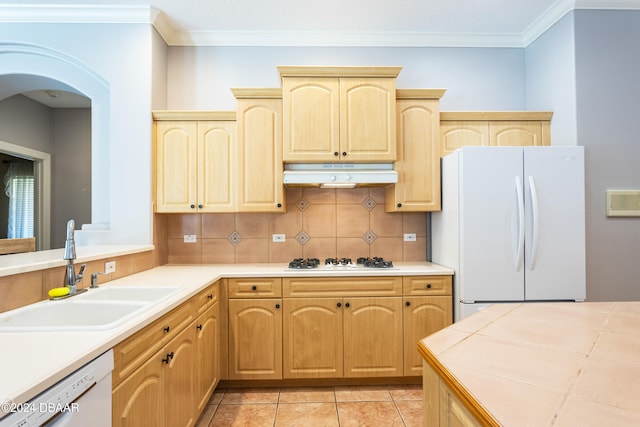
[512,225]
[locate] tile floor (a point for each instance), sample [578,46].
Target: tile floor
[393,405]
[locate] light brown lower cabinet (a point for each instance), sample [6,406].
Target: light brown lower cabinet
[161,392]
[342,337]
[312,338]
[164,372]
[207,358]
[255,339]
[373,337]
[356,333]
[423,315]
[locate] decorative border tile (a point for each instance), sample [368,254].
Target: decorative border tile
[234,238]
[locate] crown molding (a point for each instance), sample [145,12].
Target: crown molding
[143,14]
[76,14]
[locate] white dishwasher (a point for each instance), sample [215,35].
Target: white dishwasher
[81,399]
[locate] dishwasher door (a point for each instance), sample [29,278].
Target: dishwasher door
[81,399]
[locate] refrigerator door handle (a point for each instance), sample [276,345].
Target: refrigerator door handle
[535,233]
[520,244]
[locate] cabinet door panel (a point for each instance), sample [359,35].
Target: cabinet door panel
[516,133]
[311,130]
[461,133]
[312,338]
[255,339]
[372,337]
[423,316]
[260,155]
[176,179]
[208,355]
[418,164]
[367,119]
[139,400]
[217,161]
[180,404]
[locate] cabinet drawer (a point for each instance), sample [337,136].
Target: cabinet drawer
[426,285]
[135,350]
[255,288]
[342,286]
[206,299]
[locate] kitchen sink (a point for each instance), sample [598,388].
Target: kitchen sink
[69,315]
[128,293]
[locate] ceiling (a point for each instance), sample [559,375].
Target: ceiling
[422,23]
[504,23]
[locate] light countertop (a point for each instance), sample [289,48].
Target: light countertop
[545,364]
[30,362]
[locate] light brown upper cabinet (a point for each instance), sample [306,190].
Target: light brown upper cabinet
[514,128]
[260,165]
[339,114]
[418,163]
[195,162]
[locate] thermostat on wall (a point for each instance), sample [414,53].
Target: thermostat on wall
[623,202]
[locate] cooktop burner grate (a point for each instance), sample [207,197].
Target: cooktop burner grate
[362,262]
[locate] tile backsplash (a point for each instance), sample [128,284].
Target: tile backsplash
[318,223]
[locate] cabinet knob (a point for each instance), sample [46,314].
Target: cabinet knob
[277,306]
[210,296]
[199,327]
[344,154]
[335,153]
[339,305]
[408,303]
[399,205]
[166,328]
[428,285]
[199,206]
[254,288]
[193,206]
[347,305]
[279,205]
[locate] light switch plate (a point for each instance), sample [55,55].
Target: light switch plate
[409,237]
[278,237]
[190,238]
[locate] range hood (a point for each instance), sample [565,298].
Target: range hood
[339,175]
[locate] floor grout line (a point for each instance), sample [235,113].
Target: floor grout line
[218,398]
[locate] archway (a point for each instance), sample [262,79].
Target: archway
[25,67]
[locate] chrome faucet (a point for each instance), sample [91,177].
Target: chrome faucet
[71,279]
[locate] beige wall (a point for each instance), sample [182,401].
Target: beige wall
[318,223]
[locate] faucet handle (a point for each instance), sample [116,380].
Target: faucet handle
[94,278]
[81,272]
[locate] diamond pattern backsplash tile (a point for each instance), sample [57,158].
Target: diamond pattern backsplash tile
[302,237]
[302,204]
[369,203]
[369,237]
[234,238]
[318,222]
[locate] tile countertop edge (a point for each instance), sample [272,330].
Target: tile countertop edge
[38,364]
[478,411]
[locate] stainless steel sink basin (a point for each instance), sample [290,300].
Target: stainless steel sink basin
[69,315]
[128,293]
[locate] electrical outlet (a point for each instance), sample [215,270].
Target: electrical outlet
[110,267]
[409,237]
[190,238]
[278,237]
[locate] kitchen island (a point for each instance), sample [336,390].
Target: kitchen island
[31,362]
[537,364]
